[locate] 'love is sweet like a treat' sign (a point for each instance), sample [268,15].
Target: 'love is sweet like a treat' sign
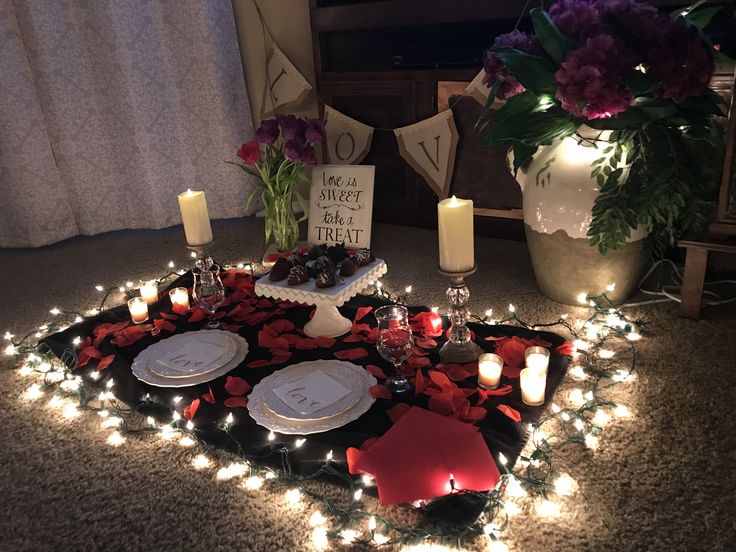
[341,205]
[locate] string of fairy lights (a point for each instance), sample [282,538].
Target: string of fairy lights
[601,340]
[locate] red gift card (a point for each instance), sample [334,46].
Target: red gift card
[415,458]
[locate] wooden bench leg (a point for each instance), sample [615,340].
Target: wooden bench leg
[696,262]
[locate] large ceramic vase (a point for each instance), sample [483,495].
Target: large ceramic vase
[558,194]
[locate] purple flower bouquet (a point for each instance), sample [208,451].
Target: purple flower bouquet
[638,76]
[276,158]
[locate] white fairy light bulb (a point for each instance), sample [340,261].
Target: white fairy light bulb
[55,311]
[578,373]
[299,442]
[229,419]
[512,308]
[10,350]
[502,459]
[380,538]
[270,475]
[176,416]
[408,289]
[190,425]
[271,436]
[357,495]
[329,456]
[292,496]
[582,298]
[71,411]
[497,546]
[565,485]
[489,313]
[581,345]
[601,418]
[555,408]
[77,340]
[591,303]
[98,287]
[611,287]
[576,396]
[77,319]
[151,422]
[379,284]
[435,309]
[317,519]
[167,432]
[110,383]
[176,400]
[621,411]
[511,508]
[633,336]
[171,264]
[121,289]
[565,417]
[372,524]
[514,488]
[115,439]
[253,483]
[348,535]
[591,441]
[588,396]
[367,480]
[187,441]
[606,353]
[201,462]
[319,538]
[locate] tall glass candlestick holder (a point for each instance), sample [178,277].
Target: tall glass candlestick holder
[459,347]
[208,291]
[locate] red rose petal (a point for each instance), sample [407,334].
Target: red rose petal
[362,312]
[510,412]
[267,341]
[209,396]
[566,348]
[380,392]
[425,342]
[441,403]
[325,342]
[419,383]
[168,316]
[104,362]
[511,371]
[235,402]
[197,315]
[475,413]
[440,379]
[281,326]
[237,386]
[306,343]
[483,394]
[376,371]
[354,338]
[351,354]
[191,410]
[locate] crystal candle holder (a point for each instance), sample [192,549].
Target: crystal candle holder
[459,347]
[138,308]
[537,358]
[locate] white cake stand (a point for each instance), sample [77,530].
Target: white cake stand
[327,320]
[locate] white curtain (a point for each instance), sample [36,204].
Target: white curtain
[110,108]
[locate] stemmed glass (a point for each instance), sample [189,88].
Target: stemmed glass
[395,342]
[209,293]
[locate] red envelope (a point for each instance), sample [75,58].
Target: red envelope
[414,459]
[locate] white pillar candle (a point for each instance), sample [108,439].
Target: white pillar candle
[490,367]
[138,309]
[149,291]
[179,296]
[455,222]
[533,384]
[537,358]
[196,219]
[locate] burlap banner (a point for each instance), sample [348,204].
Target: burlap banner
[348,141]
[285,86]
[429,147]
[477,89]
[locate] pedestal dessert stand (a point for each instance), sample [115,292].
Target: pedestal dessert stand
[327,320]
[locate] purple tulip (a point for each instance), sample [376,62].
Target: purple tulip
[268,131]
[315,131]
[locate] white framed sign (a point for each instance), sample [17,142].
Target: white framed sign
[341,205]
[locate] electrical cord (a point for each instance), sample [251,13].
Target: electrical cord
[671,291]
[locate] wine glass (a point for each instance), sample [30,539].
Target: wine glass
[209,293]
[395,342]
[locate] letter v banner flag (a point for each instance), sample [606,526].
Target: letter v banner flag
[429,146]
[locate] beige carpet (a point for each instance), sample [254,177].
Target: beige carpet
[662,480]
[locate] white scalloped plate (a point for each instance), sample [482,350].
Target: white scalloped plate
[272,421]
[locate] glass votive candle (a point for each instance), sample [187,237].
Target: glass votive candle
[537,358]
[138,308]
[179,298]
[533,385]
[490,367]
[149,291]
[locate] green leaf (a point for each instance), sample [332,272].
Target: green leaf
[701,18]
[523,154]
[554,41]
[304,205]
[533,72]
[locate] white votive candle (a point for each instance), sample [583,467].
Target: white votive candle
[537,358]
[533,384]
[490,367]
[149,291]
[138,309]
[179,297]
[455,224]
[196,218]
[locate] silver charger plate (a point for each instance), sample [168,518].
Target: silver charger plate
[141,366]
[272,421]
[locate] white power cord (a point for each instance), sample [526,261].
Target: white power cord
[671,292]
